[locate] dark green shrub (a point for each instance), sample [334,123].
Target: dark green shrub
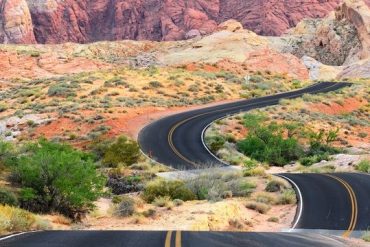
[267,146]
[8,198]
[57,178]
[310,160]
[122,151]
[162,188]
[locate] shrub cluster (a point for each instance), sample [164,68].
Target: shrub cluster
[8,198]
[172,189]
[57,178]
[15,220]
[278,144]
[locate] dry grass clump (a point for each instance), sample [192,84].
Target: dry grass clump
[16,220]
[260,207]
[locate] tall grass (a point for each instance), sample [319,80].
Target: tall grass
[13,219]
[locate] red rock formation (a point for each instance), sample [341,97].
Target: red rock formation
[56,21]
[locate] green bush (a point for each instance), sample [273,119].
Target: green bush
[310,160]
[8,198]
[364,166]
[172,189]
[266,146]
[122,151]
[57,178]
[126,207]
[215,143]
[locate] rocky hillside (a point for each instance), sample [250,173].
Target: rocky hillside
[58,21]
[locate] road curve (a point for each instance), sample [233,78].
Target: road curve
[167,239]
[177,140]
[337,202]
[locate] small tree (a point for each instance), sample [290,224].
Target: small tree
[123,151]
[56,177]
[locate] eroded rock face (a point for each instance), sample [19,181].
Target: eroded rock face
[57,21]
[15,22]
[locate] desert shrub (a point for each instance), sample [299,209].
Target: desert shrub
[125,185]
[62,90]
[215,143]
[178,202]
[14,220]
[172,189]
[366,236]
[269,147]
[162,201]
[264,197]
[287,197]
[3,108]
[116,199]
[364,166]
[8,197]
[257,171]
[150,213]
[122,151]
[57,178]
[99,147]
[7,153]
[155,84]
[275,185]
[262,208]
[126,207]
[214,186]
[273,219]
[310,160]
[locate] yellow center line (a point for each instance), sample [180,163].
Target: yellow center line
[170,134]
[168,239]
[353,199]
[178,239]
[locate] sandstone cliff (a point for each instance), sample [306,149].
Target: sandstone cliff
[58,21]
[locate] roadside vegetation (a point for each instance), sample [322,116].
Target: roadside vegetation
[300,134]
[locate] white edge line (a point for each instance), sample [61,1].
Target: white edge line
[300,201]
[205,145]
[16,235]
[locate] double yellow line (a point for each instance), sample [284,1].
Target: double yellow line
[173,129]
[354,205]
[169,237]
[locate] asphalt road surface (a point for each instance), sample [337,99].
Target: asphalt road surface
[338,202]
[168,239]
[177,140]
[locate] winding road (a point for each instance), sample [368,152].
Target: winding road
[177,140]
[328,202]
[335,203]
